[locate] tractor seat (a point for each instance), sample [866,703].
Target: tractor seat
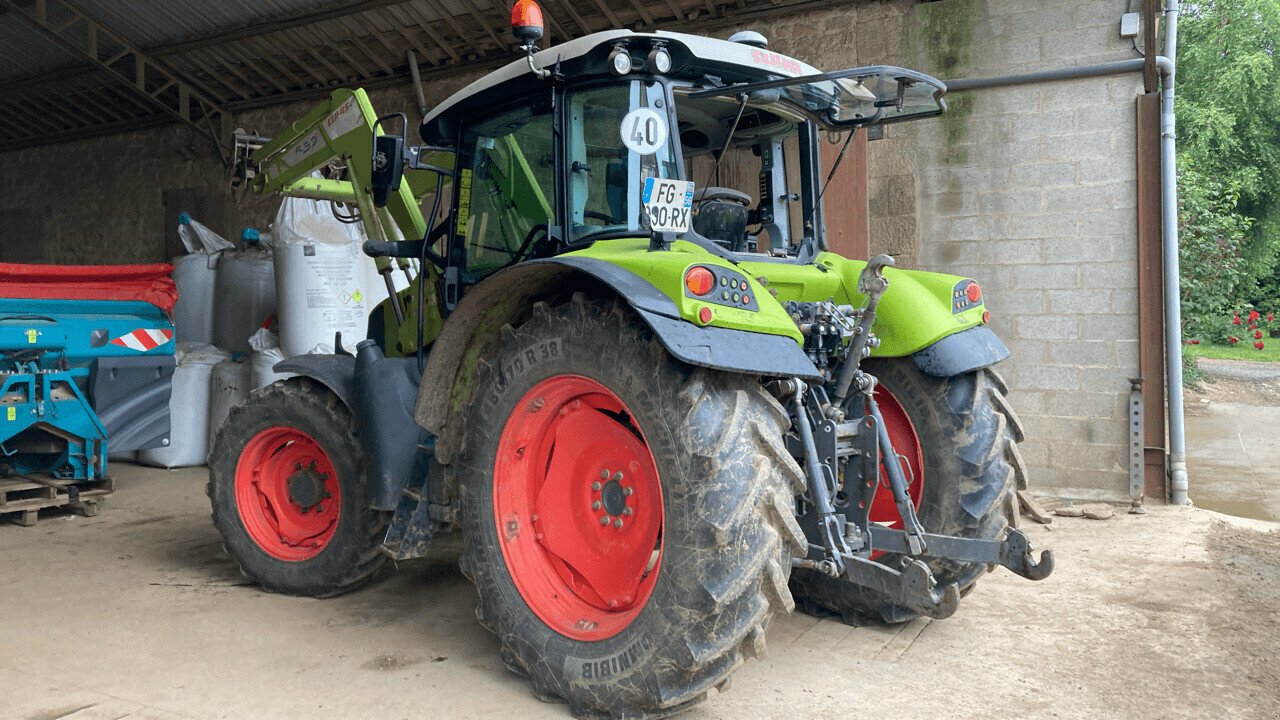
[720,215]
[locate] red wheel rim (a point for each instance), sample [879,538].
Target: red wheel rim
[578,507]
[907,444]
[287,493]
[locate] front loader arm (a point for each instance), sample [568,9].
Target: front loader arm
[342,129]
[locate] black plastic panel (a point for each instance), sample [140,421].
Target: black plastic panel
[131,397]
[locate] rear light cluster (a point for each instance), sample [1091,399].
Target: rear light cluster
[966,295]
[718,286]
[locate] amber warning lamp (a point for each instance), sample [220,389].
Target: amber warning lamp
[526,25]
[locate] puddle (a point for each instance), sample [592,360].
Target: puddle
[1253,509]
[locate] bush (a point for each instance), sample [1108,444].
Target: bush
[1213,235]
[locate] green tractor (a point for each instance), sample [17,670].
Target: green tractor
[659,410]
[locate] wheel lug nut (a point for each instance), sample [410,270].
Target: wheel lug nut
[595,486]
[618,523]
[613,603]
[327,496]
[627,492]
[627,511]
[604,474]
[595,504]
[604,519]
[618,476]
[297,466]
[319,508]
[313,464]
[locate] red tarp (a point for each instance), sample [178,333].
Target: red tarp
[147,283]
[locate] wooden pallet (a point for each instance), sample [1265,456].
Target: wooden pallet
[23,497]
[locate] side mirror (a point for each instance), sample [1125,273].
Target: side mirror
[386,167]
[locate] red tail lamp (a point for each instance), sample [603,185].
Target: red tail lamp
[699,280]
[973,292]
[526,22]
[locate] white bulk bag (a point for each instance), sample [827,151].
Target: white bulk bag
[193,313]
[188,409]
[244,297]
[266,353]
[321,279]
[229,385]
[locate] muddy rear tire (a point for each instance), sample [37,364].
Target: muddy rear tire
[727,530]
[968,435]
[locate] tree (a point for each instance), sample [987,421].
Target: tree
[1229,144]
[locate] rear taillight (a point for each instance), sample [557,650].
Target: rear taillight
[699,280]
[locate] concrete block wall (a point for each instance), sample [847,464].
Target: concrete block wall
[1030,190]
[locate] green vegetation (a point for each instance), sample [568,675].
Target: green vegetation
[1240,351]
[1229,162]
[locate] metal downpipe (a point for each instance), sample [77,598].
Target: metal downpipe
[1178,481]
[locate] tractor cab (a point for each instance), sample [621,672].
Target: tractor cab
[554,152]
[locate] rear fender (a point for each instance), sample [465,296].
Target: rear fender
[473,333]
[963,352]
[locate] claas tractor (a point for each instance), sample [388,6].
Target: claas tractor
[629,370]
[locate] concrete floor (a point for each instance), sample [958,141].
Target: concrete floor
[1233,458]
[1232,422]
[137,614]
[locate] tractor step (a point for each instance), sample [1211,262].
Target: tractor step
[409,533]
[22,498]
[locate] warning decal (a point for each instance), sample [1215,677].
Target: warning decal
[143,340]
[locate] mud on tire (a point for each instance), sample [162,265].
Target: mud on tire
[350,554]
[728,534]
[969,435]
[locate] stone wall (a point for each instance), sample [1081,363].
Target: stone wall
[103,200]
[1028,190]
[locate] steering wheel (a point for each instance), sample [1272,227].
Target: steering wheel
[528,243]
[604,218]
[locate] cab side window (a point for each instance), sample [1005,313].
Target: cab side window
[505,188]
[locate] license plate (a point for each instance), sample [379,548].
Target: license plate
[667,203]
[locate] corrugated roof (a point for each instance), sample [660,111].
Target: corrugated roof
[236,54]
[28,52]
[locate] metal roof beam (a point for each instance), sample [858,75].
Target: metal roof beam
[55,18]
[271,26]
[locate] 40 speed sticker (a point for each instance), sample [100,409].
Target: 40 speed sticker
[643,131]
[667,204]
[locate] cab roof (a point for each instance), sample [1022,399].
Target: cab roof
[693,56]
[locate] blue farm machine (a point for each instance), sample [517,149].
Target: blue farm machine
[86,362]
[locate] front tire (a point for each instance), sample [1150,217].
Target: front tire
[286,483]
[959,437]
[697,568]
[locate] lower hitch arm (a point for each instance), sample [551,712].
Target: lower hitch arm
[1014,552]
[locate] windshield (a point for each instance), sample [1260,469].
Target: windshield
[873,95]
[617,138]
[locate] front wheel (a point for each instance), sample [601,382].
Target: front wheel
[956,438]
[286,482]
[628,519]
